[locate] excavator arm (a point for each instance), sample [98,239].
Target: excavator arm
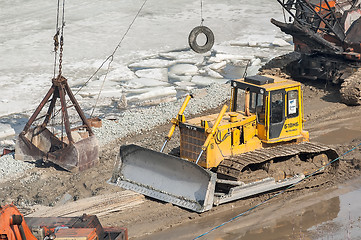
[86,227]
[12,224]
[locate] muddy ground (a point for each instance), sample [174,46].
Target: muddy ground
[327,120]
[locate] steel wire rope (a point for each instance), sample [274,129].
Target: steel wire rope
[277,194]
[202,19]
[56,45]
[111,56]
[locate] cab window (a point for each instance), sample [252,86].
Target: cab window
[292,104]
[256,102]
[277,106]
[240,100]
[261,108]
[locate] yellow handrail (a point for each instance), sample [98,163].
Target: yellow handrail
[175,121]
[213,131]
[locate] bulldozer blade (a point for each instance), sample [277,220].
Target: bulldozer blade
[40,143]
[164,177]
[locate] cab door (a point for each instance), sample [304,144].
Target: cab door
[277,113]
[293,120]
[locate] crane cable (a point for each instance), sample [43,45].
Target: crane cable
[279,193]
[202,19]
[111,57]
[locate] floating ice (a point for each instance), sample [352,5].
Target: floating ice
[139,90]
[217,66]
[241,42]
[105,93]
[98,83]
[278,42]
[179,78]
[184,69]
[256,61]
[144,82]
[6,130]
[253,69]
[228,57]
[154,93]
[8,143]
[160,74]
[185,57]
[152,63]
[120,73]
[185,86]
[212,73]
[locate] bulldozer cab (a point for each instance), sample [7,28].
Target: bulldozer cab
[275,102]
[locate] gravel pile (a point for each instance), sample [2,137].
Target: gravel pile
[138,120]
[9,167]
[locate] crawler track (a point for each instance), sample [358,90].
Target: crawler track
[266,162]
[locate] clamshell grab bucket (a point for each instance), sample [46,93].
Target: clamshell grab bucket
[76,149]
[40,143]
[164,177]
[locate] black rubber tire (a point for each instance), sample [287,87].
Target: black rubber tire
[192,39]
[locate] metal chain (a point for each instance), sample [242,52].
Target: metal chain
[56,37]
[62,40]
[61,55]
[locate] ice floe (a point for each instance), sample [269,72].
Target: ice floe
[184,69]
[144,82]
[179,78]
[154,93]
[6,130]
[279,42]
[152,63]
[185,86]
[160,74]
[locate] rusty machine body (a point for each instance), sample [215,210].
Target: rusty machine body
[256,147]
[327,40]
[14,226]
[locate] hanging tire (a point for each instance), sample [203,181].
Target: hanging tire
[192,39]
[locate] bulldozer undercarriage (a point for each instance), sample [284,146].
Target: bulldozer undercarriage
[268,169]
[184,183]
[279,162]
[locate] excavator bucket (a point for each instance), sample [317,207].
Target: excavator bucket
[164,177]
[40,143]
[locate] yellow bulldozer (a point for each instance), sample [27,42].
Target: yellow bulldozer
[256,147]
